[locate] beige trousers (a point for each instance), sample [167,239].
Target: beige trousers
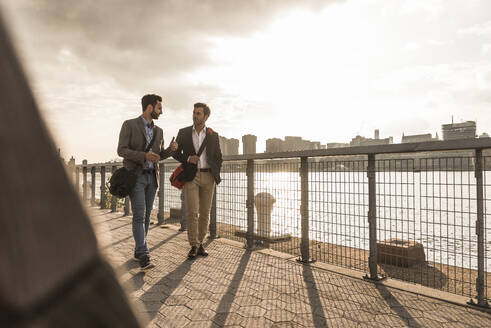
[198,195]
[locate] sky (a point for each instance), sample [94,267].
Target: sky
[323,70]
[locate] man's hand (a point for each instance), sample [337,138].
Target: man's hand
[173,145]
[152,157]
[193,159]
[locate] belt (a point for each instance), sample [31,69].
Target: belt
[148,171]
[205,170]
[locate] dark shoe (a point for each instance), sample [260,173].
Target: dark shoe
[145,263]
[193,252]
[136,258]
[202,251]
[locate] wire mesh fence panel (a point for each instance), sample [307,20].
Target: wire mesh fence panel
[231,196]
[172,195]
[447,193]
[277,205]
[338,205]
[397,248]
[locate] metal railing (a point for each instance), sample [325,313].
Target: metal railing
[415,212]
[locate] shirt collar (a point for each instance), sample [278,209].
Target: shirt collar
[146,124]
[194,129]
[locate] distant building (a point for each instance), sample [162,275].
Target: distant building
[291,143]
[274,145]
[362,141]
[336,145]
[464,130]
[484,135]
[418,138]
[249,144]
[229,146]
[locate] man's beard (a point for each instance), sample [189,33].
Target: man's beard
[154,115]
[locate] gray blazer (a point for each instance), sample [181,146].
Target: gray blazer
[132,142]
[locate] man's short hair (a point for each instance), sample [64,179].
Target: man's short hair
[150,100]
[206,109]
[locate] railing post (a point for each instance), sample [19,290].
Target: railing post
[103,187]
[304,211]
[213,216]
[372,219]
[114,199]
[84,180]
[92,186]
[478,168]
[127,206]
[71,168]
[77,179]
[160,214]
[250,204]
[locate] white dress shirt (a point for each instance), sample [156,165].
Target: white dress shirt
[197,141]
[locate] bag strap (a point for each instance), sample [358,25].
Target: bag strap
[203,144]
[152,140]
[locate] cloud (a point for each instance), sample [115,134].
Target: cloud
[486,49]
[483,29]
[142,45]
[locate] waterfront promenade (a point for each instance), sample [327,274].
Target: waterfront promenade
[238,288]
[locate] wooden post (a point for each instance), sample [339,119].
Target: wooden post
[103,187]
[92,186]
[84,179]
[114,199]
[77,180]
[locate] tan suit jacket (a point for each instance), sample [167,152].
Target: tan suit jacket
[132,142]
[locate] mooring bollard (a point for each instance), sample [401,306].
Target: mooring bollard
[264,206]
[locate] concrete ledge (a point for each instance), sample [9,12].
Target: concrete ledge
[271,252]
[230,242]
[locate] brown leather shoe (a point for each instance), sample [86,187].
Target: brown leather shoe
[202,251]
[193,252]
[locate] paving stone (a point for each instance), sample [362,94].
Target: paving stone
[390,320]
[279,315]
[359,316]
[226,319]
[251,311]
[175,311]
[177,322]
[256,323]
[201,314]
[246,300]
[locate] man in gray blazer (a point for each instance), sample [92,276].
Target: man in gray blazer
[135,136]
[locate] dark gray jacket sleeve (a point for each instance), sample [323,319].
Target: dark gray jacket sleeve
[124,149]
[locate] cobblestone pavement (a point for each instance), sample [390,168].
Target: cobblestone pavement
[236,288]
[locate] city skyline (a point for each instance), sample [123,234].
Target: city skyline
[324,70]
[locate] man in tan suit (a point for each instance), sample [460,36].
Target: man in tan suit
[198,193]
[136,134]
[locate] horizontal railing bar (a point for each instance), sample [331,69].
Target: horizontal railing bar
[461,144]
